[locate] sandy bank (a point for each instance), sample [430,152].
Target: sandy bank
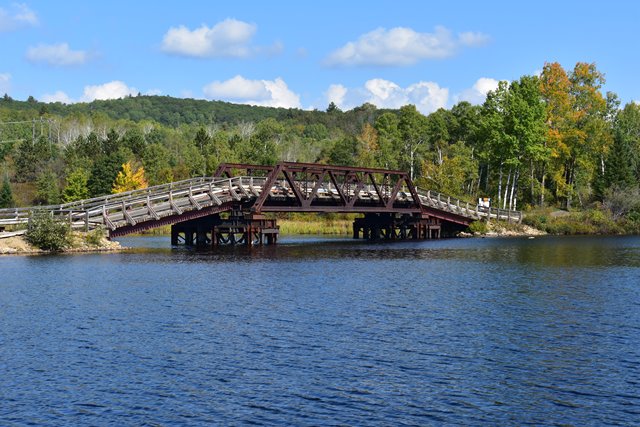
[18,245]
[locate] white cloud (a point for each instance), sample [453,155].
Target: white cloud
[478,92]
[229,38]
[472,39]
[5,83]
[153,92]
[426,96]
[402,46]
[336,94]
[19,15]
[112,90]
[268,93]
[56,54]
[58,96]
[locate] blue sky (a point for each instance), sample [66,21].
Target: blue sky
[307,54]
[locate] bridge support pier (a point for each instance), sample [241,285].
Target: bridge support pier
[247,229]
[386,226]
[196,232]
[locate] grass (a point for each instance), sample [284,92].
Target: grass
[327,227]
[591,221]
[294,224]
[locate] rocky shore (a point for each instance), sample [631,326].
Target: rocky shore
[503,229]
[12,244]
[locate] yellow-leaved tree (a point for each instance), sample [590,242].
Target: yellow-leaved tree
[129,179]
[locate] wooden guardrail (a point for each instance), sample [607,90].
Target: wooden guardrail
[466,209]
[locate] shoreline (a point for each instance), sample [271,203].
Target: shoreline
[18,245]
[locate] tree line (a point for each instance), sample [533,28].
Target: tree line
[553,139]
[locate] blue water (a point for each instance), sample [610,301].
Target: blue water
[325,332]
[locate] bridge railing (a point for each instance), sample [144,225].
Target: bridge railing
[172,200]
[156,201]
[466,209]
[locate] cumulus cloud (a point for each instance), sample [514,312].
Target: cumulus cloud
[56,54]
[58,96]
[402,46]
[336,94]
[268,93]
[229,38]
[18,15]
[112,90]
[478,92]
[426,96]
[5,83]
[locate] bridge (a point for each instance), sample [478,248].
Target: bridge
[230,206]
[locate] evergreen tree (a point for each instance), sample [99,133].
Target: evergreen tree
[6,195]
[202,139]
[618,171]
[103,174]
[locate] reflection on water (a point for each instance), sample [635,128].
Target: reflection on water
[325,331]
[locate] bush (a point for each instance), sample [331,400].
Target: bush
[94,237]
[478,227]
[47,233]
[620,201]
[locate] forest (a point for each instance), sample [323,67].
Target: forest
[552,141]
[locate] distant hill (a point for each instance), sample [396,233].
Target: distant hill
[174,112]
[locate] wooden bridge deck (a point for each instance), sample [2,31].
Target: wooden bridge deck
[336,189]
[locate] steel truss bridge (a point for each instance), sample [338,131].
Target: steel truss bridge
[230,207]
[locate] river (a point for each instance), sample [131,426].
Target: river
[325,332]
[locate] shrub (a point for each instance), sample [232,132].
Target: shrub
[620,201]
[478,227]
[94,237]
[47,233]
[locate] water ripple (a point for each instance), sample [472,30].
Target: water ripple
[459,332]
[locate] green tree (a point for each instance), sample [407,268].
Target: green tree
[386,126]
[438,132]
[77,186]
[263,145]
[526,127]
[343,152]
[589,136]
[513,126]
[6,195]
[202,139]
[134,140]
[103,173]
[47,189]
[412,126]
[156,161]
[30,158]
[454,175]
[113,142]
[627,130]
[331,109]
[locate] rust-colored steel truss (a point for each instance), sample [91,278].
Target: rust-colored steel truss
[329,188]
